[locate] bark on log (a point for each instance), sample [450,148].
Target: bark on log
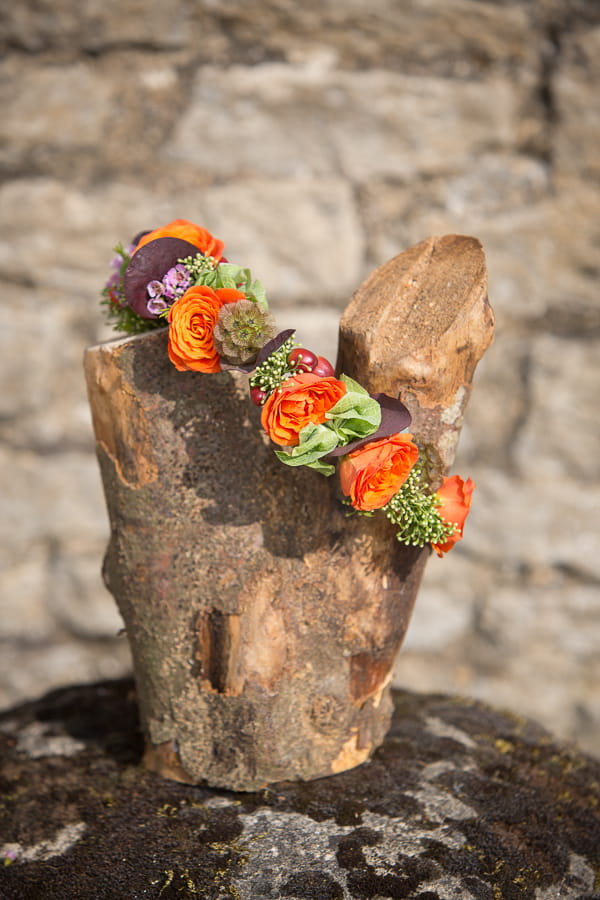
[416,330]
[263,622]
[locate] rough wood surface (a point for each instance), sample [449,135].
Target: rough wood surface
[416,329]
[263,622]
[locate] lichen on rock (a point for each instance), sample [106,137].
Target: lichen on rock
[461,801]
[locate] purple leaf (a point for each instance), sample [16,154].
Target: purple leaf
[139,236]
[150,263]
[264,352]
[273,345]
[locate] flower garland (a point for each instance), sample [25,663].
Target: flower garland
[219,318]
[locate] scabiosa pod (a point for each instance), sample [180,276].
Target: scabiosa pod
[242,328]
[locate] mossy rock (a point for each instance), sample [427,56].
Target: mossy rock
[462,801]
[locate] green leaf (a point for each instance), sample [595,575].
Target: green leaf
[230,271]
[315,441]
[353,386]
[258,293]
[324,468]
[356,415]
[229,275]
[207,277]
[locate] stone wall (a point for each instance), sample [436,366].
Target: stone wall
[318,140]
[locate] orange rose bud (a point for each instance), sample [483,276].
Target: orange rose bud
[300,400]
[192,319]
[371,475]
[186,231]
[455,496]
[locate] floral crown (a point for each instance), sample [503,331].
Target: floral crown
[218,319]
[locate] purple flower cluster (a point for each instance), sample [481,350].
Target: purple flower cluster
[164,293]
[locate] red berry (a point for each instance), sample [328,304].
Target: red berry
[258,396]
[323,368]
[302,360]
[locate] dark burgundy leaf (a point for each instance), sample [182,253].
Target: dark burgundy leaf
[139,236]
[394,418]
[264,352]
[273,345]
[151,263]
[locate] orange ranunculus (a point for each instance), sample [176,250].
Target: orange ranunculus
[371,475]
[192,319]
[186,231]
[300,400]
[455,503]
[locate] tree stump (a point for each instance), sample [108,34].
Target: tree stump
[264,622]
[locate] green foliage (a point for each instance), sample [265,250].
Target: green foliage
[117,312]
[315,442]
[356,414]
[238,277]
[123,318]
[274,370]
[206,271]
[416,514]
[203,269]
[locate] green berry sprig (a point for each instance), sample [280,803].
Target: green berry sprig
[274,370]
[416,515]
[203,269]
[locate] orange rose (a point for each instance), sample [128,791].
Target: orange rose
[371,475]
[192,319]
[298,401]
[186,231]
[455,496]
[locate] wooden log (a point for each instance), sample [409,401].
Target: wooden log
[263,621]
[416,330]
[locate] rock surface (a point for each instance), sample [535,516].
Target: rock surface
[318,140]
[461,801]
